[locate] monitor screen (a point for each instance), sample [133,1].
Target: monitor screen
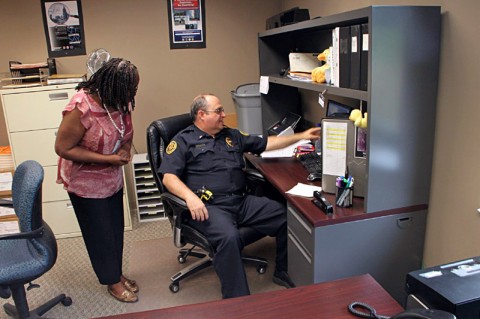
[338,110]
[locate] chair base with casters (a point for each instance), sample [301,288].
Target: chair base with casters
[247,234]
[21,309]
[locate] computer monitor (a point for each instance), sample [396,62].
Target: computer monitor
[338,110]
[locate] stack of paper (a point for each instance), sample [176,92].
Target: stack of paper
[6,159]
[66,78]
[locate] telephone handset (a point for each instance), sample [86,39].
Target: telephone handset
[424,314]
[356,308]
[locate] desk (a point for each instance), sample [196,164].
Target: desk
[325,300]
[386,244]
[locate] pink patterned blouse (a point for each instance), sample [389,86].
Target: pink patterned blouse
[94,180]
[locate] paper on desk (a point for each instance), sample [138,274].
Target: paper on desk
[6,181]
[303,190]
[10,227]
[284,152]
[6,211]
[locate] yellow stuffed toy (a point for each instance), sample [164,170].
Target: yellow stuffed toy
[356,118]
[319,73]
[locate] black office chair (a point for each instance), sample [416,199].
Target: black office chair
[159,134]
[33,251]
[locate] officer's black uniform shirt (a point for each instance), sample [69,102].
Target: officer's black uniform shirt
[216,163]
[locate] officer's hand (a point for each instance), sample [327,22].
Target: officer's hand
[312,133]
[197,208]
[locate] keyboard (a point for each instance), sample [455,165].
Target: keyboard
[311,161]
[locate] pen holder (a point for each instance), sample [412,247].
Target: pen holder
[344,196]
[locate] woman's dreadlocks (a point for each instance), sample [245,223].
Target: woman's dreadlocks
[115,83]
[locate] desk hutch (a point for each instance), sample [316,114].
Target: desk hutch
[403,64]
[32,116]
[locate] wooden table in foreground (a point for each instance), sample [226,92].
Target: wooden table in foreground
[324,300]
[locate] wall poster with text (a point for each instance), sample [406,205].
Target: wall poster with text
[187,24]
[63,25]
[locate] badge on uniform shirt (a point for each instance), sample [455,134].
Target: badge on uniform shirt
[172,146]
[228,140]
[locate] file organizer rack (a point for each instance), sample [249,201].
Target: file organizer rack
[147,196]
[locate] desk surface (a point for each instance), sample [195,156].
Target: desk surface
[284,173]
[323,300]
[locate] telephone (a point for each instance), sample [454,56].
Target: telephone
[424,314]
[356,308]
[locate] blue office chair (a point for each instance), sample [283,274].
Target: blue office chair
[33,251]
[159,134]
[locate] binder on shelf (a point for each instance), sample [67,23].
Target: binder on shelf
[364,58]
[344,57]
[356,46]
[334,52]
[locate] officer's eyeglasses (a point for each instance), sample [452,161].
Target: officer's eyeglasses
[219,110]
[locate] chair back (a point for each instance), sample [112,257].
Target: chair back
[27,195]
[159,135]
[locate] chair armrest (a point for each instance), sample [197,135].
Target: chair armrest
[24,235]
[253,174]
[177,210]
[255,182]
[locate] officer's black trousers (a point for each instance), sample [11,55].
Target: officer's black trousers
[226,214]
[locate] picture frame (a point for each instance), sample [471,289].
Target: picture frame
[186,19]
[63,25]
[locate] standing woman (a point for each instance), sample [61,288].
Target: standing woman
[93,142]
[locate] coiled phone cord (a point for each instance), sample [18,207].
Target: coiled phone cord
[371,312]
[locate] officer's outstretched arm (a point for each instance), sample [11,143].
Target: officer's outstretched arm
[276,142]
[194,203]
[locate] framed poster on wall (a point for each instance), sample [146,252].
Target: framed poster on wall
[63,24]
[186,24]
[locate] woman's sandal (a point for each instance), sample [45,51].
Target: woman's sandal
[125,296]
[131,285]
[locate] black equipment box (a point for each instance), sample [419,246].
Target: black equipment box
[453,287]
[291,16]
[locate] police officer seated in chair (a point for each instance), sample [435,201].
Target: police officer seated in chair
[209,155]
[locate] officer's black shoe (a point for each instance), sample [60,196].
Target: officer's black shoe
[283,279]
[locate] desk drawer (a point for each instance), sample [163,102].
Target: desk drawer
[35,110]
[300,263]
[60,216]
[34,145]
[51,191]
[301,229]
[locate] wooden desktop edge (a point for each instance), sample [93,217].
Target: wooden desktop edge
[322,300]
[284,173]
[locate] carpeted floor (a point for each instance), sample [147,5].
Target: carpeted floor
[150,258]
[155,261]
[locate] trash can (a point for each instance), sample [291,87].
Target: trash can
[248,107]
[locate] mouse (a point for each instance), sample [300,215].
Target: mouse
[314,176]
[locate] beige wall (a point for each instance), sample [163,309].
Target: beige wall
[453,221]
[138,30]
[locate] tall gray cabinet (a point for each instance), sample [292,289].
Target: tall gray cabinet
[403,64]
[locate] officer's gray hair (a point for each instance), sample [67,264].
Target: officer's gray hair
[199,103]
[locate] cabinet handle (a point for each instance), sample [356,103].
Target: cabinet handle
[58,96]
[404,223]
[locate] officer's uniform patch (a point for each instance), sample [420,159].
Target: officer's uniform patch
[228,140]
[172,146]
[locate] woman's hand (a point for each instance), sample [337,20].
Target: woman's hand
[118,159]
